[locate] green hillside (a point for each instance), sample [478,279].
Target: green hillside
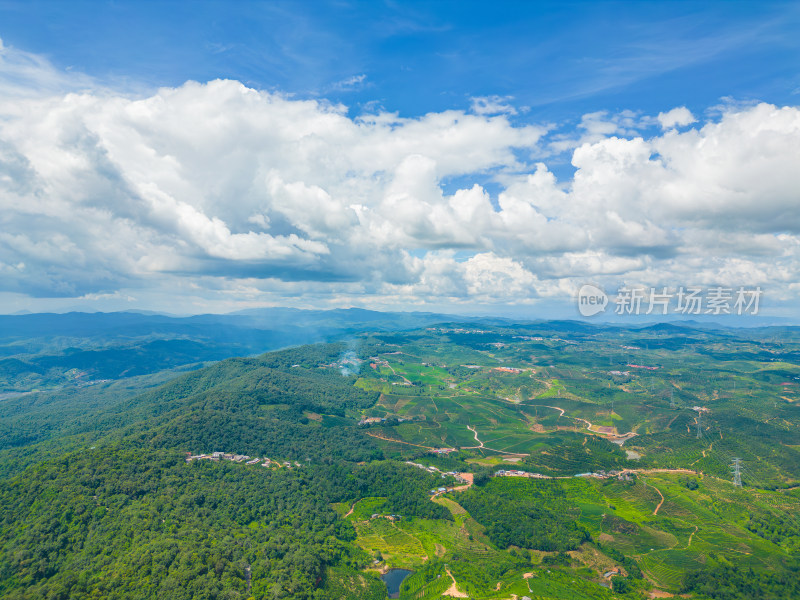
[113,491]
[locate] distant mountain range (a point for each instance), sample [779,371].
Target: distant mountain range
[46,350]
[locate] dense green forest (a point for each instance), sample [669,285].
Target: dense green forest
[132,522]
[539,521]
[730,582]
[98,497]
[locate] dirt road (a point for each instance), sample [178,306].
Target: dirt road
[453,590]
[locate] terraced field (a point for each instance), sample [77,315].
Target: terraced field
[689,526]
[563,404]
[521,395]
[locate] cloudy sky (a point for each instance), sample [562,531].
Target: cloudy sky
[470,157]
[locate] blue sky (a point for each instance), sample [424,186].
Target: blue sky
[463,156]
[561,59]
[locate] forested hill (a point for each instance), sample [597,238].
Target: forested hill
[247,405]
[136,522]
[255,406]
[588,457]
[129,517]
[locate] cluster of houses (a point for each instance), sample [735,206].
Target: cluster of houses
[514,370]
[374,420]
[621,475]
[508,369]
[239,458]
[456,330]
[431,469]
[387,517]
[462,478]
[377,361]
[442,450]
[514,473]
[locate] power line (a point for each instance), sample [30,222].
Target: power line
[737,472]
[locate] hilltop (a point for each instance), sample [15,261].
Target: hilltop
[490,459]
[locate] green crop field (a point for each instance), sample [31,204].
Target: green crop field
[690,526]
[564,404]
[552,460]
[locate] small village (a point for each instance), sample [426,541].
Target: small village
[375,420]
[242,458]
[464,479]
[621,475]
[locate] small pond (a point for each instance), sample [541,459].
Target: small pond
[393,578]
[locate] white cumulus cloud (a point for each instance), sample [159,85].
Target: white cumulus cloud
[677,117]
[223,191]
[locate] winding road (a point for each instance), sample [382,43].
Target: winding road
[387,439]
[475,432]
[655,512]
[589,425]
[453,590]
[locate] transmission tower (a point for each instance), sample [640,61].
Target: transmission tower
[699,428]
[737,472]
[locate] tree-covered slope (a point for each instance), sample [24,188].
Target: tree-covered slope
[131,518]
[98,497]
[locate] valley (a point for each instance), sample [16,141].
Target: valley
[491,461]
